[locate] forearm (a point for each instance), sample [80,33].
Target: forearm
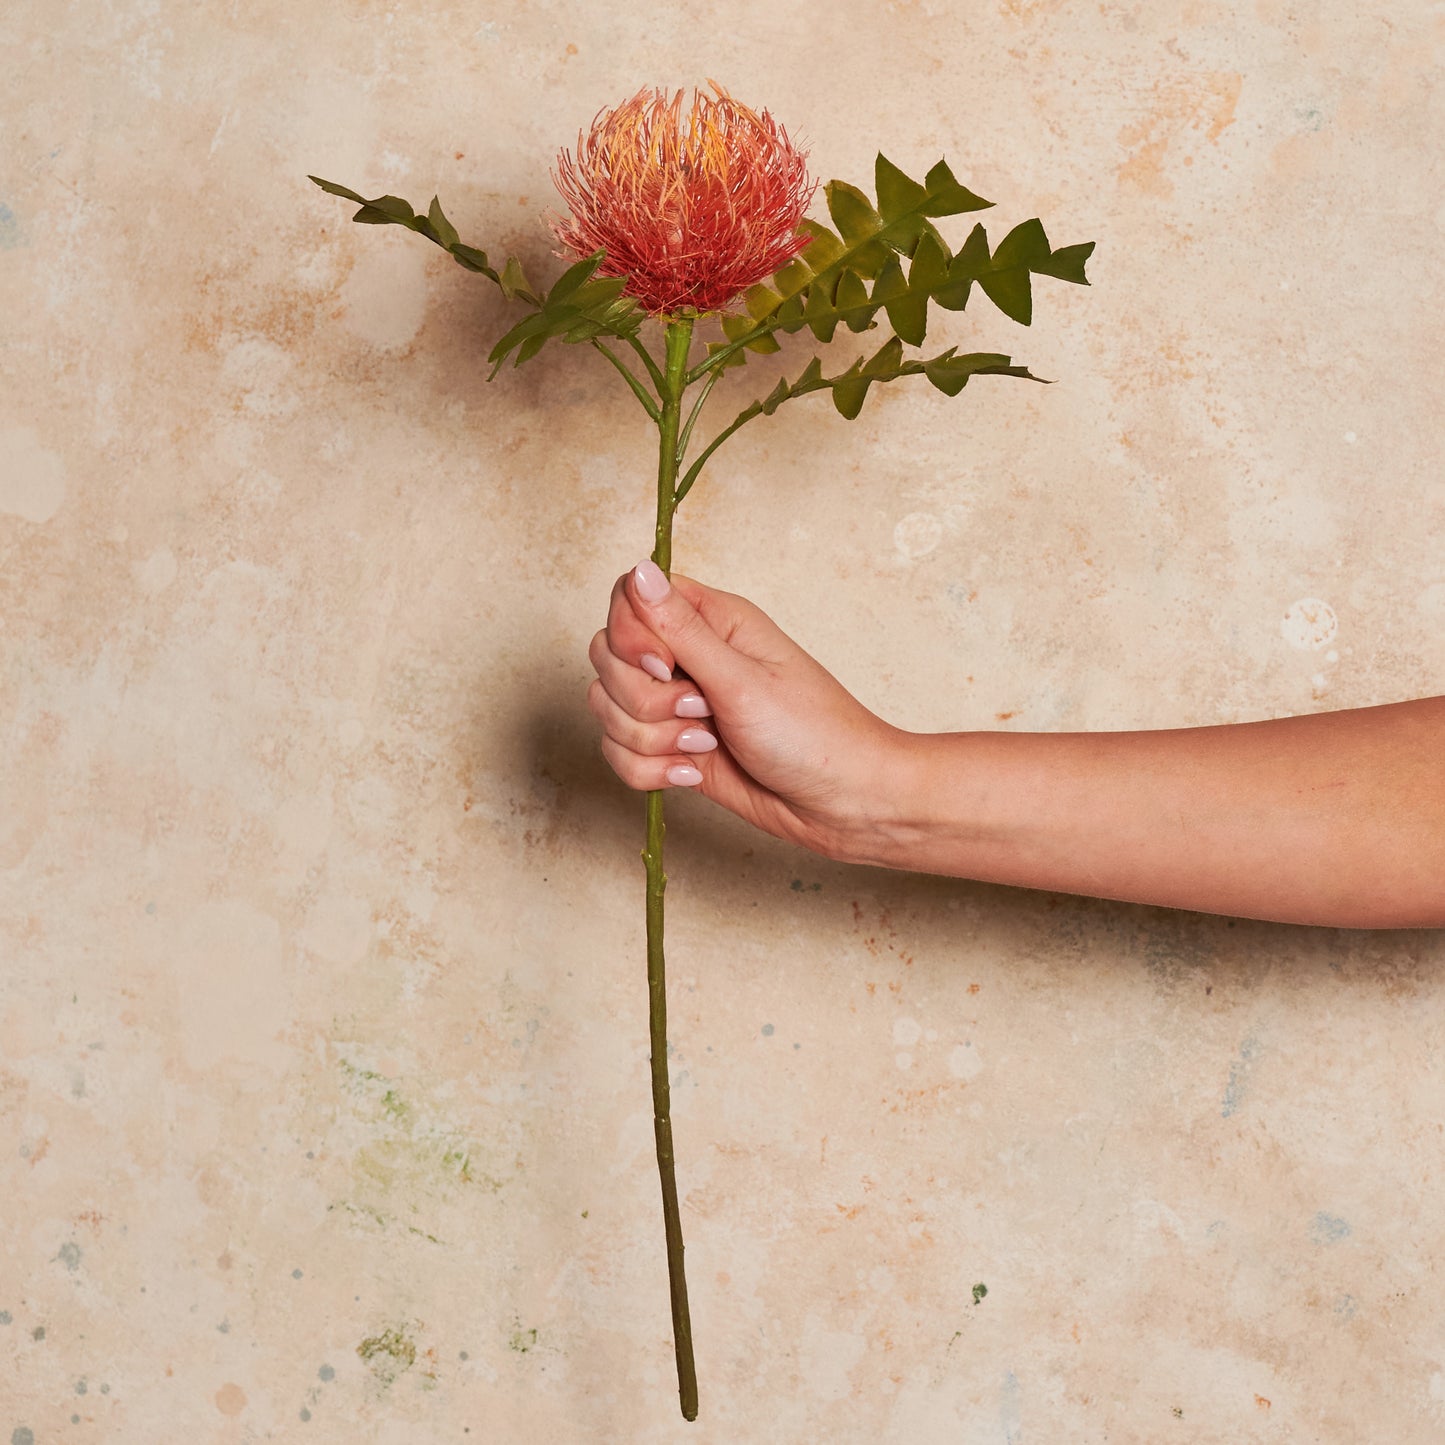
[1336,818]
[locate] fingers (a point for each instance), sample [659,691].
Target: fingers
[632,640]
[647,774]
[654,739]
[664,623]
[638,693]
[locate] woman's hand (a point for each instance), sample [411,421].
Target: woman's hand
[699,688]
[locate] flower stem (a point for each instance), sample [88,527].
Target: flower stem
[679,336]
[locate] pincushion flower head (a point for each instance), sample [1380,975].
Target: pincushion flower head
[674,216]
[693,207]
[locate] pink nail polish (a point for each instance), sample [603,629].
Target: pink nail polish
[692,705]
[652,583]
[654,666]
[696,740]
[684,775]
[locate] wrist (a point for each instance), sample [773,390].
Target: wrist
[890,813]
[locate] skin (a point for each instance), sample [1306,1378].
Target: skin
[1337,818]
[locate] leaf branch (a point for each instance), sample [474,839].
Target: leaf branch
[949,372]
[649,404]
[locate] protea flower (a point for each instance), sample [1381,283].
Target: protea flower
[693,207]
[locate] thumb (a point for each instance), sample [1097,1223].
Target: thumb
[706,657]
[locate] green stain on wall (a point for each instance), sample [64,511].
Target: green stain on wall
[390,1354]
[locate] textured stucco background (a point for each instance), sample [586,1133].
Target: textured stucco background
[323,1099]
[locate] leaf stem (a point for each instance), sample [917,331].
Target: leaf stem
[638,390]
[714,362]
[653,370]
[693,415]
[685,486]
[673,385]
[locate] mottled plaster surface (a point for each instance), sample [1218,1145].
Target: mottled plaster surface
[323,1102]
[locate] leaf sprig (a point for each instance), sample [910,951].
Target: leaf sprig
[883,255]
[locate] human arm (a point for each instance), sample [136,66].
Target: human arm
[1334,818]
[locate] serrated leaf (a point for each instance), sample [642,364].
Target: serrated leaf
[929,270]
[885,361]
[907,310]
[852,213]
[820,313]
[946,197]
[761,301]
[897,193]
[1067,263]
[793,277]
[852,302]
[850,391]
[1011,291]
[736,327]
[1025,245]
[950,373]
[823,247]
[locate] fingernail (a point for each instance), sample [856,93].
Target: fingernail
[654,666]
[696,740]
[693,705]
[652,583]
[684,775]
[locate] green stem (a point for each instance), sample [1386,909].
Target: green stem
[674,383]
[718,358]
[653,370]
[685,486]
[638,390]
[693,415]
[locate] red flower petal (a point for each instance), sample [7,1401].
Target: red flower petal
[693,207]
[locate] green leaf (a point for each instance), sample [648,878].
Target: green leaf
[1006,280]
[514,284]
[471,258]
[574,276]
[852,302]
[946,197]
[392,210]
[1067,263]
[736,327]
[852,213]
[761,301]
[950,373]
[332,189]
[395,207]
[822,250]
[529,348]
[732,359]
[1011,291]
[897,193]
[580,307]
[444,231]
[907,309]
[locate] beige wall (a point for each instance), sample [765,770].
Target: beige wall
[322,1027]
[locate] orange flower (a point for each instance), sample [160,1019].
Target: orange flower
[694,208]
